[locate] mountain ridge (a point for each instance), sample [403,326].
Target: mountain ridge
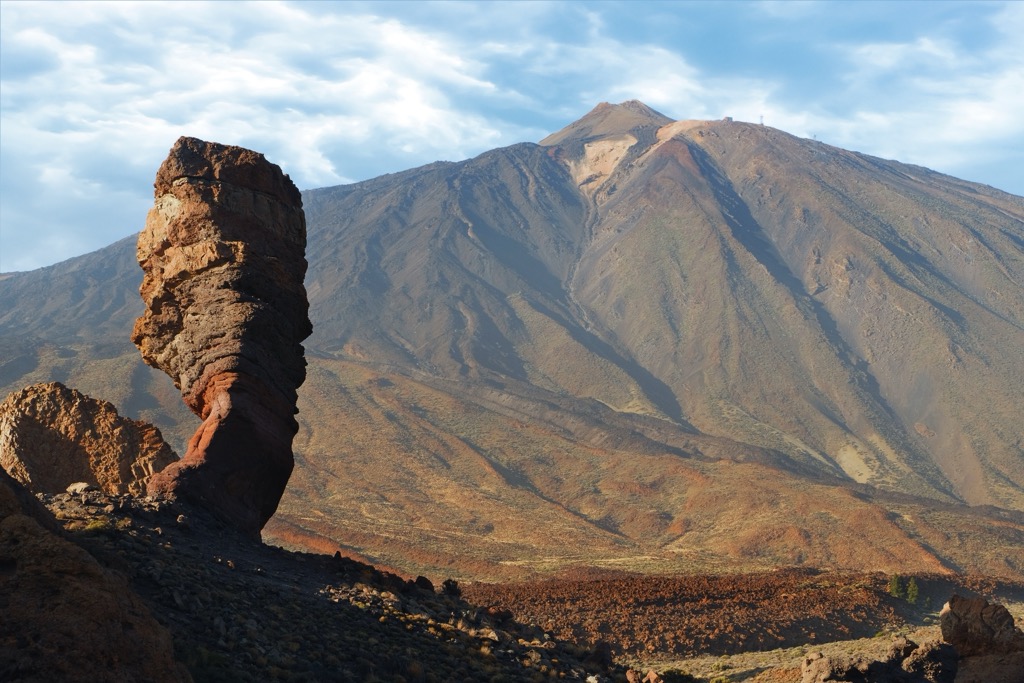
[740,299]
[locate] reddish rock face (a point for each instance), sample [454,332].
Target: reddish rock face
[223,252]
[52,436]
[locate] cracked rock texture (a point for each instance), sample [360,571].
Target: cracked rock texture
[223,252]
[52,436]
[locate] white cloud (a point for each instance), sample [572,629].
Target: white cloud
[95,93]
[883,57]
[299,87]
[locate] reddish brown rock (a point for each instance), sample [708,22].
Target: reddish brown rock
[974,627]
[223,252]
[52,436]
[906,662]
[64,617]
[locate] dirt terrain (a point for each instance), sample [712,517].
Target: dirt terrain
[238,610]
[647,618]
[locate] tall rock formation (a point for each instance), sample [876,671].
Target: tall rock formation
[223,252]
[52,436]
[641,337]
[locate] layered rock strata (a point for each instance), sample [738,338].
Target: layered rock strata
[223,252]
[52,436]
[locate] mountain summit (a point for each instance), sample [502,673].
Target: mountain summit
[605,120]
[660,344]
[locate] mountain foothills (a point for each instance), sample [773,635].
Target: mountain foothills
[641,344]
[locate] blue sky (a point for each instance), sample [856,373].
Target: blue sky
[92,95]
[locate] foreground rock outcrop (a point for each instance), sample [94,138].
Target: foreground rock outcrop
[905,662]
[242,611]
[52,436]
[990,645]
[223,252]
[975,627]
[65,617]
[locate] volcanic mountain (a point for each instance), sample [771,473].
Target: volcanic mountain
[642,343]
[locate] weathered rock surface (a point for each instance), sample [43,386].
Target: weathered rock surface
[223,252]
[64,616]
[974,627]
[932,661]
[52,436]
[906,662]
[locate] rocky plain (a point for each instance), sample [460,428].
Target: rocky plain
[118,587]
[499,470]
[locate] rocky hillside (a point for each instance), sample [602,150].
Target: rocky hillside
[661,345]
[140,589]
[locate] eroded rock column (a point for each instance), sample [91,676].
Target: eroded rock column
[223,252]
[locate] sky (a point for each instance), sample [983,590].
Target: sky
[93,94]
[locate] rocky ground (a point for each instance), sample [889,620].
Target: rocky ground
[688,616]
[764,628]
[238,610]
[242,611]
[692,615]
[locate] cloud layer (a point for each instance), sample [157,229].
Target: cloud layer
[92,95]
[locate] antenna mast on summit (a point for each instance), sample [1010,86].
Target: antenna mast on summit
[762,119]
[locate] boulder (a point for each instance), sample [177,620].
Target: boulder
[932,661]
[974,627]
[905,662]
[66,618]
[52,436]
[818,668]
[223,255]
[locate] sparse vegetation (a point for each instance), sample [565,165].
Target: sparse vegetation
[99,525]
[904,590]
[896,589]
[913,592]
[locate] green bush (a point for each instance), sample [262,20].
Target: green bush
[912,591]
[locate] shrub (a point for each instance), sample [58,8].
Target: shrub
[896,587]
[912,591]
